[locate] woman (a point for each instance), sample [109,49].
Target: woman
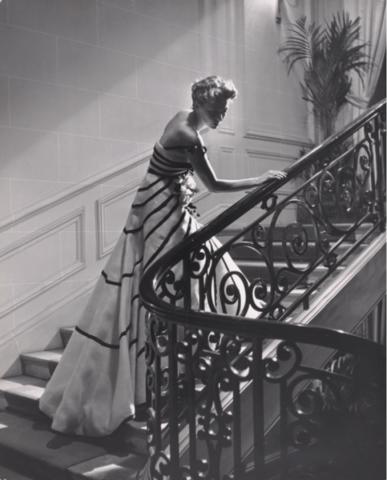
[101,378]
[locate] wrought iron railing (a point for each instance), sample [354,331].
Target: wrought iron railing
[219,369]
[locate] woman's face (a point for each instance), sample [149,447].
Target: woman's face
[213,113]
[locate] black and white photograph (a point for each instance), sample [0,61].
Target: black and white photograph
[192,239]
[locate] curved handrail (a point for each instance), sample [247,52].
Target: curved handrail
[222,355]
[147,292]
[322,336]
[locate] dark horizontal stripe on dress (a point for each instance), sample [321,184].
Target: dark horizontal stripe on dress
[137,297]
[132,230]
[113,346]
[110,282]
[164,219]
[165,241]
[166,171]
[159,207]
[124,332]
[177,147]
[142,189]
[160,158]
[157,161]
[187,148]
[153,196]
[169,170]
[124,275]
[141,351]
[187,233]
[164,174]
[160,165]
[134,298]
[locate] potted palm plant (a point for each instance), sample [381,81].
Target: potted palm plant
[330,54]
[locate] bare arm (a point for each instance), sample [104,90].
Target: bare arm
[207,175]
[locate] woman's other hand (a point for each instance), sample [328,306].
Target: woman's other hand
[273,174]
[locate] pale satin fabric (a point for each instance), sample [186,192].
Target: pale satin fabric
[101,376]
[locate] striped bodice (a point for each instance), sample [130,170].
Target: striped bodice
[169,162]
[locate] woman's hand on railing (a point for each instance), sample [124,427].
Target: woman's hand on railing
[272,174]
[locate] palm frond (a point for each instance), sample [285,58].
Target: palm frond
[301,43]
[331,54]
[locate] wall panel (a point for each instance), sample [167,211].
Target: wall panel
[86,87]
[112,211]
[43,259]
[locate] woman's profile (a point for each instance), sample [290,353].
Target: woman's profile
[100,380]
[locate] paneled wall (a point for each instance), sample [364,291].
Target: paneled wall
[85,89]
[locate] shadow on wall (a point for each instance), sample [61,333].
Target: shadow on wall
[79,78]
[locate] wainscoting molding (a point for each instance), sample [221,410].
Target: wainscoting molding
[76,218]
[201,195]
[73,191]
[274,137]
[226,149]
[31,322]
[277,157]
[255,152]
[103,248]
[226,130]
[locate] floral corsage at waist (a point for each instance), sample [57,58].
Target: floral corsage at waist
[186,188]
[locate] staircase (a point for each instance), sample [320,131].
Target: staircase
[29,447]
[21,395]
[215,413]
[287,392]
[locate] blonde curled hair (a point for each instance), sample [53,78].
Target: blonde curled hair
[211,89]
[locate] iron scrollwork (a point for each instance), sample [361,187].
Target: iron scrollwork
[292,244]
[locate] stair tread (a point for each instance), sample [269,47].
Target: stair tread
[312,243]
[8,474]
[9,383]
[26,441]
[282,264]
[32,389]
[109,467]
[44,355]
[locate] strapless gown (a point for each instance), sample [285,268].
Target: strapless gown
[101,376]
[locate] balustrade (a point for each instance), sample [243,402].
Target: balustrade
[224,362]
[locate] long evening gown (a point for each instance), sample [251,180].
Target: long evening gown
[101,377]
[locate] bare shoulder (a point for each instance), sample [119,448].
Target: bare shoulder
[179,132]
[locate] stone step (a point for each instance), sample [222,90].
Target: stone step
[29,447]
[20,381]
[278,233]
[22,393]
[258,269]
[109,467]
[8,474]
[279,253]
[66,333]
[41,364]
